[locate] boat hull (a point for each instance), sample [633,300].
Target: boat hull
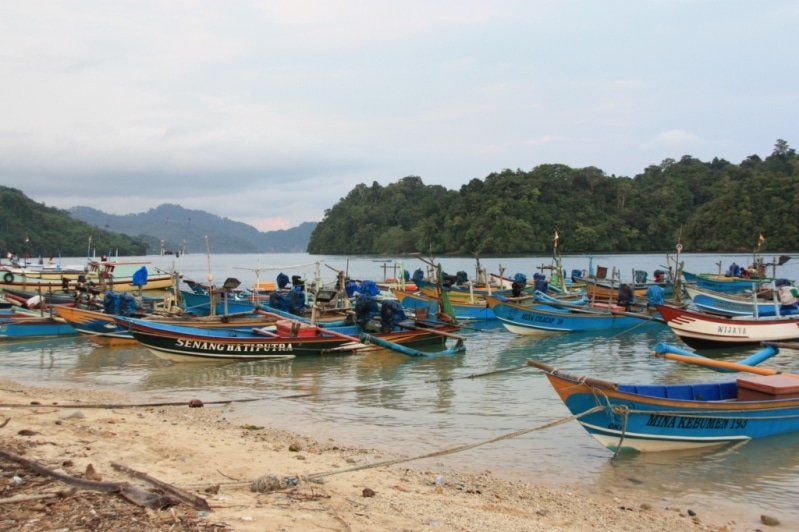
[721,283]
[478,311]
[106,275]
[22,328]
[193,344]
[729,304]
[706,331]
[629,421]
[542,318]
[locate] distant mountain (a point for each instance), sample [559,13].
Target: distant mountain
[185,229]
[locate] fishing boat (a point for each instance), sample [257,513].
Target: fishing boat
[725,283]
[702,330]
[762,303]
[737,279]
[537,318]
[49,295]
[101,328]
[289,338]
[471,295]
[464,310]
[105,274]
[670,417]
[20,325]
[600,290]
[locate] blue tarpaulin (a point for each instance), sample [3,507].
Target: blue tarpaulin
[140,277]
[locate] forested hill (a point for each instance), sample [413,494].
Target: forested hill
[31,229]
[186,229]
[706,206]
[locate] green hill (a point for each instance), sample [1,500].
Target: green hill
[706,206]
[32,229]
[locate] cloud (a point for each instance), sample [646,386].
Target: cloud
[274,110]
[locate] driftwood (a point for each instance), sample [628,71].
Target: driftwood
[130,492]
[23,498]
[196,502]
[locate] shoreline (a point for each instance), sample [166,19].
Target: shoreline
[215,454]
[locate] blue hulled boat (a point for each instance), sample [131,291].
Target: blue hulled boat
[542,318]
[667,417]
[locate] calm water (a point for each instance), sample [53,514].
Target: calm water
[415,406]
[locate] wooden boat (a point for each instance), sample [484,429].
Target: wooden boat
[104,274]
[102,329]
[668,417]
[724,283]
[470,295]
[600,290]
[737,279]
[22,326]
[49,295]
[464,310]
[763,303]
[701,330]
[289,339]
[97,326]
[546,318]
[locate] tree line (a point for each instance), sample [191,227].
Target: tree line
[714,206]
[30,229]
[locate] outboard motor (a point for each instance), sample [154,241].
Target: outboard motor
[540,282]
[111,303]
[626,295]
[365,309]
[282,280]
[127,304]
[278,301]
[391,313]
[447,279]
[516,288]
[418,275]
[296,300]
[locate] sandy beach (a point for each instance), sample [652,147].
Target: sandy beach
[236,476]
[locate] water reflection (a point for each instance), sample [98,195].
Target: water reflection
[49,359]
[755,475]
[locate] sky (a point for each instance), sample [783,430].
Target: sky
[270,112]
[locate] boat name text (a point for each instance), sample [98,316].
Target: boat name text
[238,348]
[542,319]
[695,423]
[727,329]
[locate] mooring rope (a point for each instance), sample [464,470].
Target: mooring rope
[625,411]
